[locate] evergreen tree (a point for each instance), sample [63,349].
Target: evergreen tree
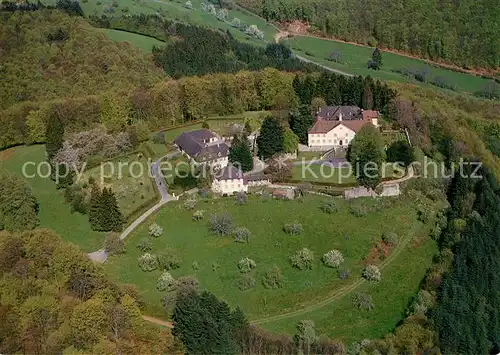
[54,135]
[240,154]
[367,101]
[400,151]
[206,325]
[110,217]
[270,140]
[377,58]
[95,207]
[300,121]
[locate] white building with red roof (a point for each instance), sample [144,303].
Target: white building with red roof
[336,126]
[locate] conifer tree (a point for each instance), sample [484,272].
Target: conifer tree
[110,217]
[94,209]
[54,135]
[367,101]
[270,140]
[240,153]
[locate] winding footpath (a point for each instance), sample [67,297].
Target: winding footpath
[100,255]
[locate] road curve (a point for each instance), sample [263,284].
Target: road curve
[101,255]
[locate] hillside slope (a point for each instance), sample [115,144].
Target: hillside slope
[47,54]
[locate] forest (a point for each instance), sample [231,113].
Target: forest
[462,33]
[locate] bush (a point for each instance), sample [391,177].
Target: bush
[195,266]
[242,235]
[293,228]
[363,301]
[390,238]
[113,244]
[329,207]
[358,210]
[273,278]
[424,214]
[303,259]
[145,245]
[158,138]
[221,224]
[190,203]
[241,198]
[246,265]
[198,215]
[165,282]
[169,260]
[420,303]
[372,273]
[155,230]
[148,262]
[186,284]
[333,258]
[246,282]
[344,274]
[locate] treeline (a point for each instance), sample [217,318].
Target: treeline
[465,33]
[54,300]
[163,105]
[193,50]
[47,54]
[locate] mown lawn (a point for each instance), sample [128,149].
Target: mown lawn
[217,257]
[144,43]
[355,59]
[54,212]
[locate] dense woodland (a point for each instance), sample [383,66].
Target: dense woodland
[193,50]
[464,33]
[54,300]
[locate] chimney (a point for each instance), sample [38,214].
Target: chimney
[340,116]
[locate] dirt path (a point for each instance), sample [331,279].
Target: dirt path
[158,321]
[344,290]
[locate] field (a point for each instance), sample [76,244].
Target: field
[144,43]
[54,212]
[217,257]
[130,180]
[355,58]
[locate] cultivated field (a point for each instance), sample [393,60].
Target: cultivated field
[216,258]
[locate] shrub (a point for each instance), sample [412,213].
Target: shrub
[241,198]
[188,5]
[246,282]
[329,207]
[198,215]
[420,303]
[169,260]
[424,214]
[155,230]
[190,203]
[246,265]
[372,273]
[221,224]
[344,274]
[165,282]
[242,235]
[113,244]
[363,301]
[358,210]
[195,266]
[273,278]
[333,258]
[145,245]
[158,138]
[293,228]
[148,262]
[303,259]
[186,284]
[390,238]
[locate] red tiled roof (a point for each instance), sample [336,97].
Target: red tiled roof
[355,125]
[369,115]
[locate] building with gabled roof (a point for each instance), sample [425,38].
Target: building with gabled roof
[203,147]
[336,126]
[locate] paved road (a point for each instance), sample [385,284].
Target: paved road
[101,255]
